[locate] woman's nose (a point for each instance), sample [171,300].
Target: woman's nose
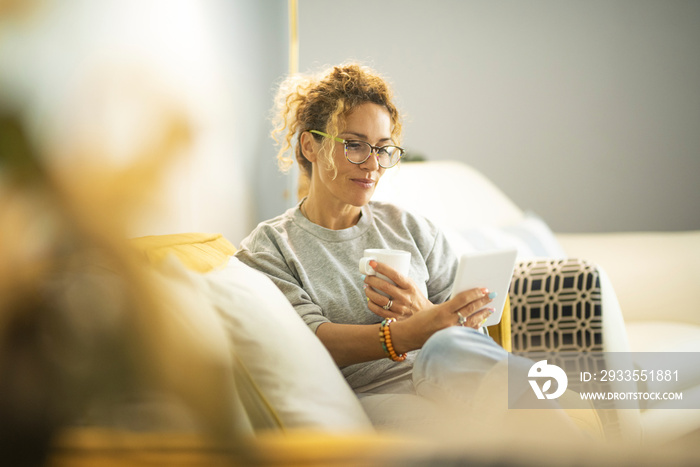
[372,162]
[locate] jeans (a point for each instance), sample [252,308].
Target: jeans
[460,365]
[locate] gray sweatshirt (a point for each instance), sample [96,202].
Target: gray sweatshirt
[317,269]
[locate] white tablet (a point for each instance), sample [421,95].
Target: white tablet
[490,269]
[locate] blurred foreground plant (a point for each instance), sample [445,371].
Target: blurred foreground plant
[82,323]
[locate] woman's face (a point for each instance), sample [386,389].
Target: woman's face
[355,183]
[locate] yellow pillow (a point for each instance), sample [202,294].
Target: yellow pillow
[501,332]
[201,252]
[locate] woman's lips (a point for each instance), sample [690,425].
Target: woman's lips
[364,182]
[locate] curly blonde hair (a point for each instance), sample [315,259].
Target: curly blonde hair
[321,102]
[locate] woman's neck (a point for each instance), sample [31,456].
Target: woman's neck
[330,217]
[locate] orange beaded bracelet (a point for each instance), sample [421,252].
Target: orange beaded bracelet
[385,339]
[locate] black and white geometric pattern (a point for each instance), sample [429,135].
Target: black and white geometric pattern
[556,306]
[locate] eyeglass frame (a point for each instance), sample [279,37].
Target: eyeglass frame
[374,149]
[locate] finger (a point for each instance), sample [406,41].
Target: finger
[381,301]
[382,268]
[476,320]
[377,283]
[376,297]
[475,306]
[380,311]
[470,300]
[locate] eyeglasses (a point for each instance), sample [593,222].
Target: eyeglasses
[358,152]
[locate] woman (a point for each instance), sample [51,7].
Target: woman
[345,131]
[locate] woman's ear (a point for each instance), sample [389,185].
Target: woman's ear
[309,146]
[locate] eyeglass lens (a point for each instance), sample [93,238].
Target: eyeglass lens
[359,151]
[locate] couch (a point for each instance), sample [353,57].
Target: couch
[291,404]
[647,279]
[284,419]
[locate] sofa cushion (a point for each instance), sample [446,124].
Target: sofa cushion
[652,338]
[650,342]
[450,193]
[291,379]
[556,306]
[283,374]
[663,336]
[531,236]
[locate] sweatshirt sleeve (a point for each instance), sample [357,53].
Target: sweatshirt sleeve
[267,251]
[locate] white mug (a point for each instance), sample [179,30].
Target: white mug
[397,259]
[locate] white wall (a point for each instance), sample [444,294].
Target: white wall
[586,112]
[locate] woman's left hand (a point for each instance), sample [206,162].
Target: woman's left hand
[406,298]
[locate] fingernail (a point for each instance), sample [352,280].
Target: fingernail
[485,291]
[373,264]
[363,277]
[367,299]
[493,295]
[491,310]
[364,286]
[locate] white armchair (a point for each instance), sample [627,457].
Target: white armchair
[645,280]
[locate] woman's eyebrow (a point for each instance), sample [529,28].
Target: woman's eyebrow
[362,136]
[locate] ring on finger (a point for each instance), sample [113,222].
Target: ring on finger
[462,320]
[388,305]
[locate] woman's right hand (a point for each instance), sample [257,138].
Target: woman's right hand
[412,333]
[462,308]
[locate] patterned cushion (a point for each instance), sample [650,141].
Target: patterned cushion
[556,306]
